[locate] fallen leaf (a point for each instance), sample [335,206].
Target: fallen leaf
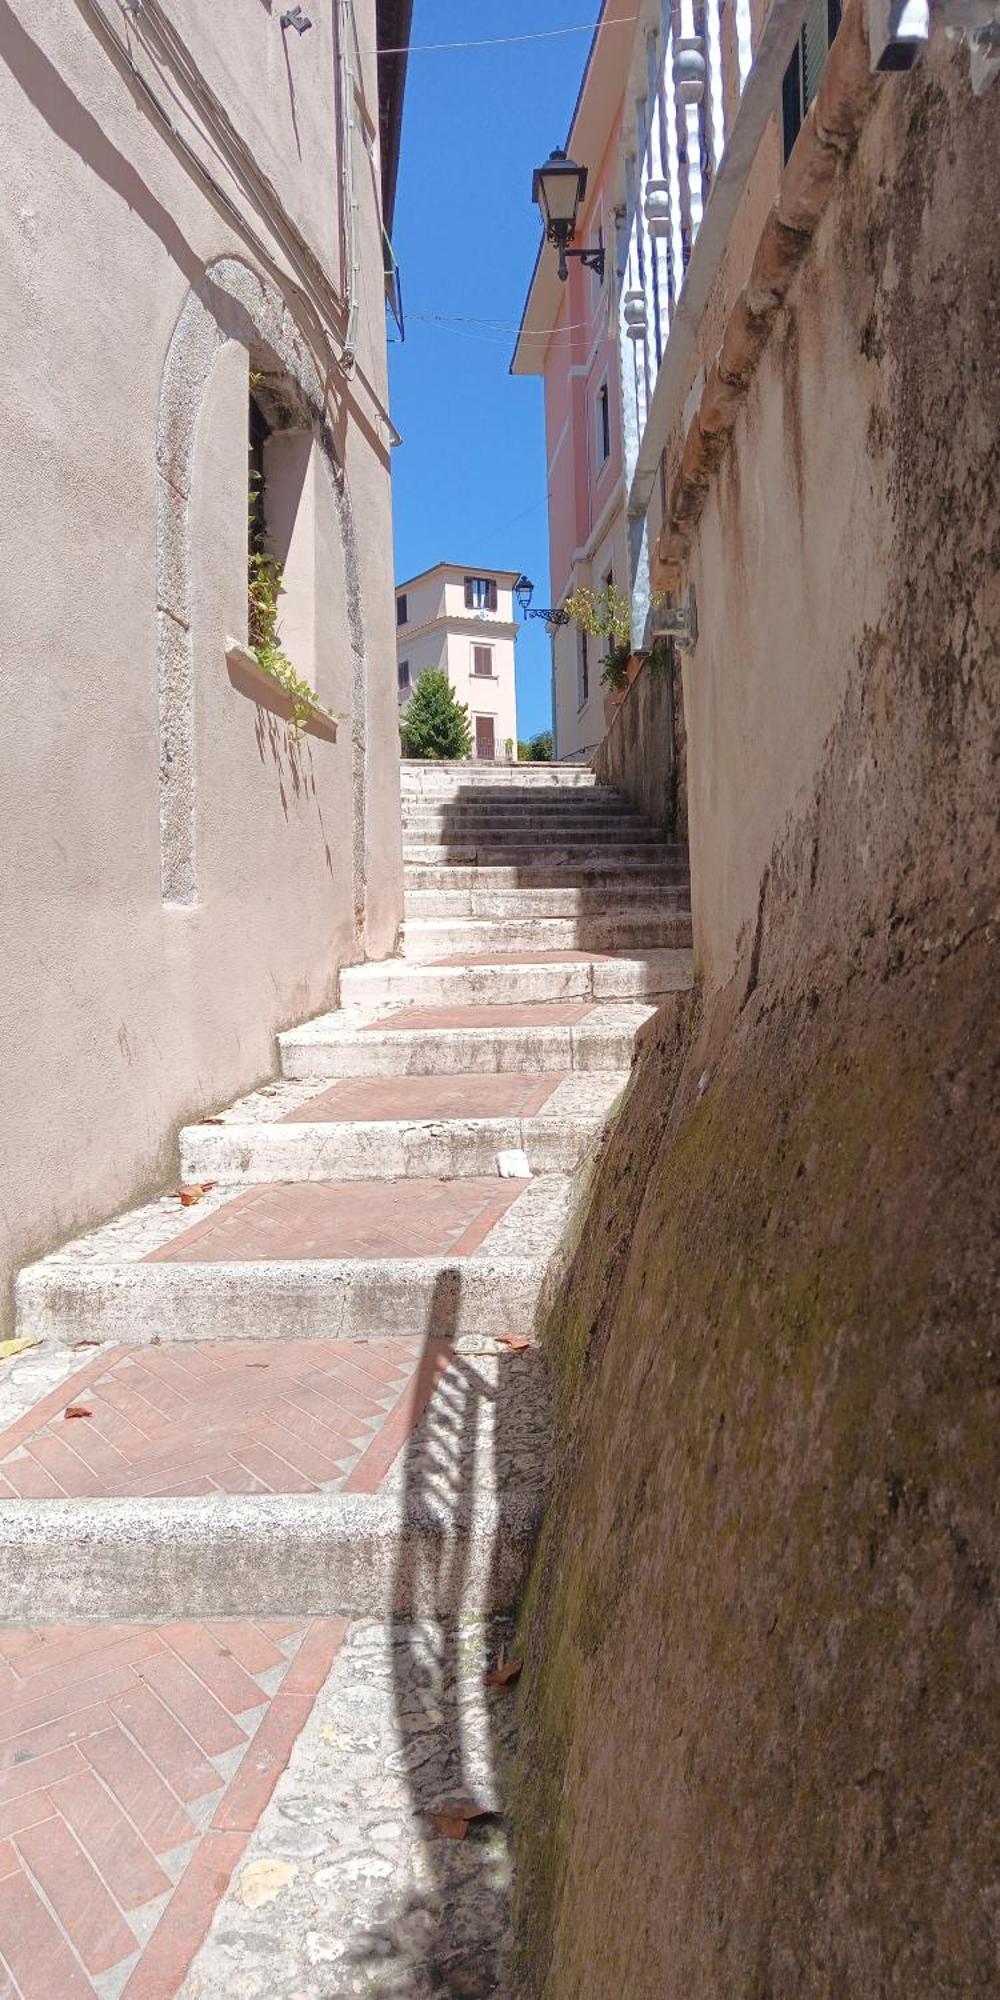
[77,1410]
[503,1674]
[517,1342]
[187,1196]
[262,1880]
[9,1347]
[454,1818]
[86,1343]
[210,1121]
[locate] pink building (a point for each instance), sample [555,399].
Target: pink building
[569,336]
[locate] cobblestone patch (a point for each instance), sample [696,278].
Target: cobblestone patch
[346,1888]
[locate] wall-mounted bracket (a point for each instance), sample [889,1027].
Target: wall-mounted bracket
[678,622]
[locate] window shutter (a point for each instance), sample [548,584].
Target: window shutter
[468,593]
[491,595]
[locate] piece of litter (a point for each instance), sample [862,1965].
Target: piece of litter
[513,1165]
[8,1348]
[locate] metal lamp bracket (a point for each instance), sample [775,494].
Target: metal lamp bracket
[678,622]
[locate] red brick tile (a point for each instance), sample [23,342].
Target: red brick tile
[139,1789]
[54,1735]
[320,1646]
[90,1919]
[160,1972]
[211,1725]
[34,1777]
[30,1481]
[9,1863]
[286,1439]
[503,1014]
[29,1712]
[64,1667]
[487,1094]
[388,1442]
[35,1949]
[64,1464]
[331,1219]
[175,1754]
[28,1811]
[250,1644]
[53,1404]
[113,1843]
[220,1672]
[275,1472]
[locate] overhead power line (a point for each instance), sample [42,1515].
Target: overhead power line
[505,41]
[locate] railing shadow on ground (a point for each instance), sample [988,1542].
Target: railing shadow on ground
[444,1930]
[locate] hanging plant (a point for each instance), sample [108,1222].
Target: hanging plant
[265,584]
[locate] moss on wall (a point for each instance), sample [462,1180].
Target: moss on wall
[758,1749]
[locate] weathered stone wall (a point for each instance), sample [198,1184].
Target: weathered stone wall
[758,1750]
[643,753]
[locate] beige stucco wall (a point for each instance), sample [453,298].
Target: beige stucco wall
[122,1013]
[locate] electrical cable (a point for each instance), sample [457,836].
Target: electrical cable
[506,41]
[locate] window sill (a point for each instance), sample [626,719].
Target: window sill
[249,678]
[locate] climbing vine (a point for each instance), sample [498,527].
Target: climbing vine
[264,587]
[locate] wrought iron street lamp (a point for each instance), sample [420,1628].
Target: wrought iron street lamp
[524,591]
[559,187]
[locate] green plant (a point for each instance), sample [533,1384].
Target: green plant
[538,751]
[265,585]
[435,724]
[606,614]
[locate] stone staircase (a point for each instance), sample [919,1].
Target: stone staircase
[306,1402]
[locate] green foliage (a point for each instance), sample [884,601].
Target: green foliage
[605,614]
[264,587]
[538,750]
[435,724]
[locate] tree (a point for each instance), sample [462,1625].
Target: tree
[435,724]
[538,751]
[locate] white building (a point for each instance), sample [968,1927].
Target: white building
[462,620]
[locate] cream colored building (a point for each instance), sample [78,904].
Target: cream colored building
[196,199]
[463,621]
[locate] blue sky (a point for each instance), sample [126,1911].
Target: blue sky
[469,477]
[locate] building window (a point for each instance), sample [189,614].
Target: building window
[482,660]
[802,76]
[480,593]
[603,409]
[403,675]
[582,671]
[401,609]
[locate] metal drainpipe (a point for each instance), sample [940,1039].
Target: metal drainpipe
[345,18]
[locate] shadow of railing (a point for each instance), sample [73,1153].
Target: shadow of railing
[444,1930]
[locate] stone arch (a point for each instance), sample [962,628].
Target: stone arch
[230,302]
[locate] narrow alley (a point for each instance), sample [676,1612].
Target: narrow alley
[308,1380]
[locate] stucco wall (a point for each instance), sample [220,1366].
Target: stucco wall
[757,1746]
[134,307]
[643,752]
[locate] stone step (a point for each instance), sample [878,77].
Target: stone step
[435,941]
[351,1259]
[575,853]
[399,1127]
[435,777]
[646,877]
[525,826]
[563,975]
[328,1476]
[356,1042]
[526,903]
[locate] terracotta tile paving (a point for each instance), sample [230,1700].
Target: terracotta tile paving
[503,1014]
[413,1218]
[489,1095]
[298,1416]
[119,1825]
[518,958]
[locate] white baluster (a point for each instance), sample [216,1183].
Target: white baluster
[679,208]
[717,118]
[687,61]
[744,40]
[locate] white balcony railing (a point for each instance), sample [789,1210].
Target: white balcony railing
[707,90]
